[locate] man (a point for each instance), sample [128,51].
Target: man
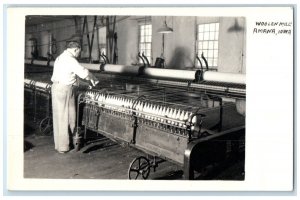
[65,72]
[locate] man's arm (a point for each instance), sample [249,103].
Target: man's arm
[93,79]
[84,73]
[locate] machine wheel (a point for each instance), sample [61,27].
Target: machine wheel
[139,168]
[46,126]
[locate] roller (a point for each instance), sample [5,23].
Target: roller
[123,69]
[170,73]
[40,62]
[90,66]
[41,85]
[160,73]
[224,77]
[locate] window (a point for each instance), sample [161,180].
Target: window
[207,43]
[102,41]
[145,39]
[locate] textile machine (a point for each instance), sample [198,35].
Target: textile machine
[177,115]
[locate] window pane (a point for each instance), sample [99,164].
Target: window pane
[210,54]
[210,62]
[200,36]
[142,46]
[215,53]
[148,39]
[201,28]
[212,27]
[211,35]
[206,36]
[216,45]
[147,52]
[205,45]
[215,62]
[217,26]
[210,44]
[200,45]
[217,36]
[206,27]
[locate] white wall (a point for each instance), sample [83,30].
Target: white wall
[127,32]
[231,45]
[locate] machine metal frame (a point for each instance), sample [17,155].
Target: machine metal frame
[162,139]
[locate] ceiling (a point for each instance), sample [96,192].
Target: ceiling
[32,20]
[41,19]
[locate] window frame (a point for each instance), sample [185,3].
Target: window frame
[210,44]
[145,22]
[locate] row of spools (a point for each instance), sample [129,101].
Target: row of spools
[146,110]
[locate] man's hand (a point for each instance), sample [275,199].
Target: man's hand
[94,82]
[93,79]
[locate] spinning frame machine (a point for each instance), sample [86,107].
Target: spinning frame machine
[40,89]
[173,115]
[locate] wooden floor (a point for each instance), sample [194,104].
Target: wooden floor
[103,160]
[107,160]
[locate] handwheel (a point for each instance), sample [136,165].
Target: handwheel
[139,168]
[46,126]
